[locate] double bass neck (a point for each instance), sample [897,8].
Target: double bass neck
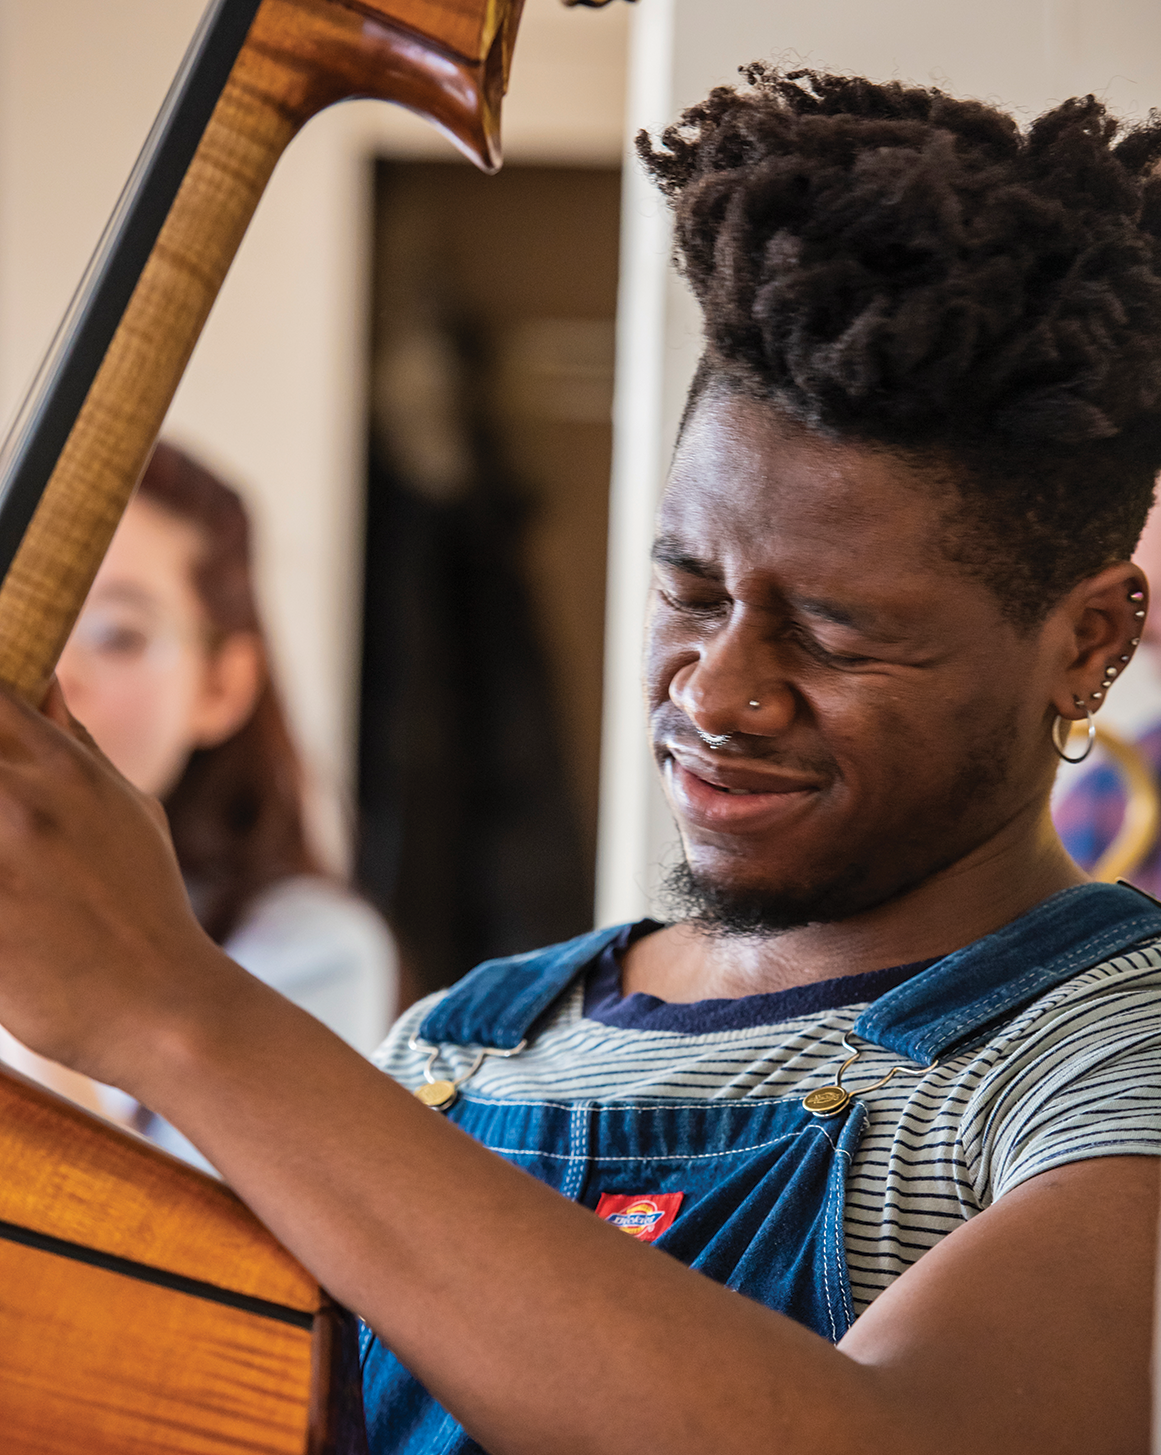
[256,71]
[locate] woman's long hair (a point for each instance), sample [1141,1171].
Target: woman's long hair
[236,813]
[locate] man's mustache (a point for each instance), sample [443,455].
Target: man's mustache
[668,724]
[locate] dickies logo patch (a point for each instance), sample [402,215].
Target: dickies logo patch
[643,1215]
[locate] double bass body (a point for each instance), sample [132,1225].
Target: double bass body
[143,1308]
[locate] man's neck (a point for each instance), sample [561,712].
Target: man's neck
[985,890]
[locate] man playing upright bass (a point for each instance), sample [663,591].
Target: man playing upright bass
[889,1081]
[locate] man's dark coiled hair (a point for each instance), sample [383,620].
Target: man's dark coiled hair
[888,264]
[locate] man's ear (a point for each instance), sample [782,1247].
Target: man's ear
[1100,622]
[235,675]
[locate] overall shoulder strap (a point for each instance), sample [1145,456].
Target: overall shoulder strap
[498,1002]
[946,1006]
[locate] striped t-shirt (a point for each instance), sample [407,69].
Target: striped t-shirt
[1075,1074]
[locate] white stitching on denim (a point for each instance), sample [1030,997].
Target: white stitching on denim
[839,1236]
[1011,990]
[659,1103]
[826,1282]
[831,1213]
[578,1161]
[454,1429]
[1095,947]
[839,1152]
[695,1157]
[528,1003]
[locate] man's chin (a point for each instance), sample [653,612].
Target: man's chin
[718,908]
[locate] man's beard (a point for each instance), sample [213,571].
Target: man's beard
[722,911]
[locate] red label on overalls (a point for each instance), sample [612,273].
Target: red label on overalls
[643,1215]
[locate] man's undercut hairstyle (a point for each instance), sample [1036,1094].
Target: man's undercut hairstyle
[890,265]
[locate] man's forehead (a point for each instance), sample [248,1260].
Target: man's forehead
[744,478]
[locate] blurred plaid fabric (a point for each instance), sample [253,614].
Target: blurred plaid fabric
[1089,815]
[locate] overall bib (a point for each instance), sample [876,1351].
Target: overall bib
[761,1179]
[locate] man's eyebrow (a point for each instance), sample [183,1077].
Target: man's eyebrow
[668,552]
[830,611]
[867,623]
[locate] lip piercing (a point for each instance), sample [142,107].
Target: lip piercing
[714,740]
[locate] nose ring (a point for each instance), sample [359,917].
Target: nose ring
[714,740]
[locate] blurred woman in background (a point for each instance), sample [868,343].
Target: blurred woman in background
[168,669]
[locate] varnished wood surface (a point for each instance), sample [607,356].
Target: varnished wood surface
[94,1363]
[110,443]
[70,1175]
[448,61]
[97,1359]
[465,26]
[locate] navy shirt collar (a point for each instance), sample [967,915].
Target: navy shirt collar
[604,1002]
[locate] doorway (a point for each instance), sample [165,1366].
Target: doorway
[492,373]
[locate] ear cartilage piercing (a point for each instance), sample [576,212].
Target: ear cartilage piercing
[1125,658]
[1136,596]
[1110,673]
[1139,615]
[752,703]
[714,741]
[1096,696]
[1134,641]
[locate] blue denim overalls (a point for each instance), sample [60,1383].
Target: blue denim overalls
[762,1178]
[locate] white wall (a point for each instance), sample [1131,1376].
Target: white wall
[1025,54]
[274,394]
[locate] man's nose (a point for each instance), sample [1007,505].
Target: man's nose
[736,685]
